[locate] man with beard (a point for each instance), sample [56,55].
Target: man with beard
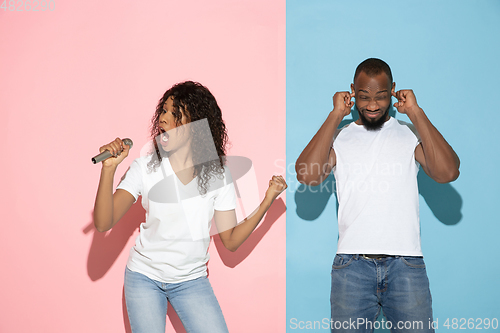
[375,161]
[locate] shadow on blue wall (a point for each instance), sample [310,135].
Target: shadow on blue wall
[443,200]
[311,201]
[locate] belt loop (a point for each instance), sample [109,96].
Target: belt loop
[356,256]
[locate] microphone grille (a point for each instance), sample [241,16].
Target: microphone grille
[128,142]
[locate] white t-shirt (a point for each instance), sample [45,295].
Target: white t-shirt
[376,182]
[173,242]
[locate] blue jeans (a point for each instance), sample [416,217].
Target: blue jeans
[397,285]
[194,302]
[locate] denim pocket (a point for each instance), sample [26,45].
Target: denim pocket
[342,260]
[414,262]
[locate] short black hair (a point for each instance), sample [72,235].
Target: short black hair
[372,67]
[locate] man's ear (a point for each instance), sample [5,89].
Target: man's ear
[393,90]
[352,88]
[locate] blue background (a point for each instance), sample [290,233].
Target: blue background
[448,52]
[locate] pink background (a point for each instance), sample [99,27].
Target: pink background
[75,78]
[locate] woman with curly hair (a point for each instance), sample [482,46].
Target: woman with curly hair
[184,183]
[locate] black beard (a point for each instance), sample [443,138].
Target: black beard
[374,125]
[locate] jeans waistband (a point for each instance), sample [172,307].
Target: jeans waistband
[382,256]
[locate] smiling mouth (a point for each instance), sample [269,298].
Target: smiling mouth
[372,114]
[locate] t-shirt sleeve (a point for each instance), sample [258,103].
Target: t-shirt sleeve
[414,130]
[132,180]
[226,199]
[337,132]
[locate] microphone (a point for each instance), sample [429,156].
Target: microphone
[106,154]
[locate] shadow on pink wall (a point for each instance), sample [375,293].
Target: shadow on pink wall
[107,246]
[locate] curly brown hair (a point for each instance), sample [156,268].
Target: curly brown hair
[197,103]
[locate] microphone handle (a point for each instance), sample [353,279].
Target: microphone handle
[101,157]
